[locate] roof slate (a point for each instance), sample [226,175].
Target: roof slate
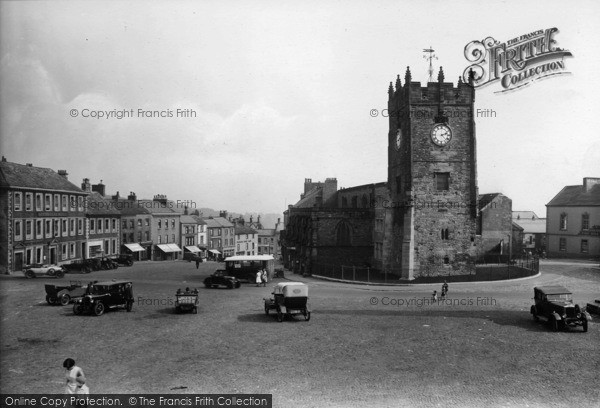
[217,222]
[20,175]
[242,229]
[576,196]
[98,205]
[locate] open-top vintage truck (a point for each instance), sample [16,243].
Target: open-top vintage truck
[62,295]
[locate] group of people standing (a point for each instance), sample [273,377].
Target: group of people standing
[262,277]
[434,296]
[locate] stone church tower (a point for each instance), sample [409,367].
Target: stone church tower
[432,179]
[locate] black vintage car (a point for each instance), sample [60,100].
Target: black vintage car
[124,259]
[220,278]
[101,296]
[81,265]
[555,303]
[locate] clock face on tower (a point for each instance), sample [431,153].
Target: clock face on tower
[398,139]
[441,134]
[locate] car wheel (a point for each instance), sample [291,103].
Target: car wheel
[60,274]
[307,316]
[30,274]
[49,300]
[208,285]
[129,263]
[553,323]
[129,306]
[229,285]
[99,309]
[584,324]
[238,285]
[87,269]
[77,309]
[195,311]
[65,299]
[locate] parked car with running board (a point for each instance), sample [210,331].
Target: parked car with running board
[34,270]
[555,303]
[101,296]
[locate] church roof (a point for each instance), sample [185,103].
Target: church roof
[310,198]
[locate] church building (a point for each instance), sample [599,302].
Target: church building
[422,221]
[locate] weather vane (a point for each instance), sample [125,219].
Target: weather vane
[430,57]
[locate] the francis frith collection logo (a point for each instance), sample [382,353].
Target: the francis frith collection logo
[515,63]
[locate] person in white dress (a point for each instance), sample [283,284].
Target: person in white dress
[75,378]
[258,278]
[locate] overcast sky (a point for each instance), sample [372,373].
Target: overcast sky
[282,92]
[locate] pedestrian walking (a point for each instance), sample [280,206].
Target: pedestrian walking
[434,297]
[197,262]
[75,378]
[258,278]
[444,289]
[264,277]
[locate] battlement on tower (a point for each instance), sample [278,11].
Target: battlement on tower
[434,92]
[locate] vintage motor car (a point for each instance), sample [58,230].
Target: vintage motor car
[31,271]
[186,301]
[81,265]
[555,303]
[124,259]
[101,296]
[220,278]
[289,299]
[63,295]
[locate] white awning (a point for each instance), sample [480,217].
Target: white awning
[214,251]
[169,247]
[174,248]
[192,248]
[135,247]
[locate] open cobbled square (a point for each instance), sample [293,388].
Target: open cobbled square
[365,345]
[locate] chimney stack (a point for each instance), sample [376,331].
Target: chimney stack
[99,188]
[86,186]
[63,173]
[589,183]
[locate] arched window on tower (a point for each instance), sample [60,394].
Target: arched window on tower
[344,234]
[445,234]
